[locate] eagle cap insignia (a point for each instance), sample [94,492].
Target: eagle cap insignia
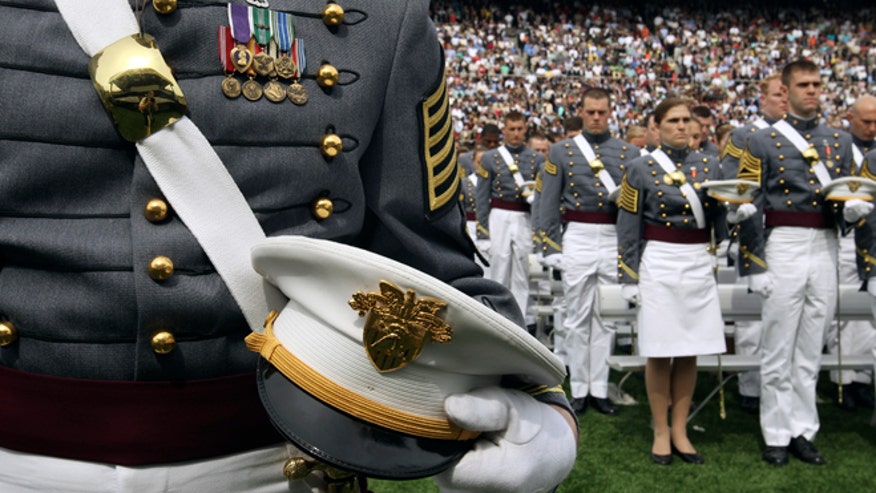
[398,325]
[811,155]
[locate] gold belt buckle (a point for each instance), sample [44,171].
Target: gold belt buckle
[137,87]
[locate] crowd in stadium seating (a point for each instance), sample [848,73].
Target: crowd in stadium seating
[540,56]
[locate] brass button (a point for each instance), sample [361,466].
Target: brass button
[332,15]
[331,145]
[164,6]
[327,76]
[8,333]
[163,342]
[156,210]
[323,208]
[160,268]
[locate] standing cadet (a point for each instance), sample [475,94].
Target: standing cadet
[773,105]
[858,336]
[123,364]
[578,237]
[489,139]
[506,179]
[865,241]
[787,249]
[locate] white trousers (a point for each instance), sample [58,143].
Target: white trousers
[510,246]
[857,336]
[802,266]
[257,471]
[747,341]
[589,258]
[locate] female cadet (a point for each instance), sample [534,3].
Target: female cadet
[665,228]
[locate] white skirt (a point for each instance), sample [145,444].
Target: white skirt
[680,313]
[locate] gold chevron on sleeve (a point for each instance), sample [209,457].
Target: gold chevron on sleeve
[550,168]
[865,170]
[538,182]
[629,197]
[749,167]
[731,150]
[439,151]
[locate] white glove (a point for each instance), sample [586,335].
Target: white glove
[761,284]
[484,247]
[741,213]
[630,292]
[554,261]
[855,209]
[530,198]
[871,288]
[527,446]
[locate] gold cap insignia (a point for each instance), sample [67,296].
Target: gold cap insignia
[811,155]
[398,324]
[741,188]
[596,165]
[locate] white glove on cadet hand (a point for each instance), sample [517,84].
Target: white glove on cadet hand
[855,209]
[527,446]
[554,261]
[761,284]
[484,247]
[630,292]
[741,213]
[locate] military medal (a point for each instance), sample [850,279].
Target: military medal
[263,62]
[238,19]
[252,90]
[296,92]
[230,85]
[274,91]
[283,33]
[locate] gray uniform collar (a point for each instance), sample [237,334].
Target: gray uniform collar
[678,155]
[800,124]
[596,138]
[864,146]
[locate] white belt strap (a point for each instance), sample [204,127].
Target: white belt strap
[760,123]
[590,156]
[188,171]
[643,152]
[509,160]
[692,198]
[800,143]
[857,159]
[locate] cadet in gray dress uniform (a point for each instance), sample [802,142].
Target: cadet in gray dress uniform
[858,336]
[506,177]
[788,250]
[865,241]
[490,137]
[773,105]
[119,342]
[664,230]
[578,237]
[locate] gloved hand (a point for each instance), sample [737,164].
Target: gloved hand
[484,247]
[738,214]
[855,209]
[630,292]
[761,284]
[554,261]
[527,446]
[530,198]
[871,288]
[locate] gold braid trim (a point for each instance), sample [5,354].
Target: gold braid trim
[535,390]
[867,257]
[750,167]
[346,400]
[550,168]
[629,270]
[732,150]
[628,199]
[750,256]
[538,182]
[482,172]
[551,243]
[865,171]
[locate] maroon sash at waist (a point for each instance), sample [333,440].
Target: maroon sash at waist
[131,423]
[675,235]
[590,217]
[797,218]
[471,216]
[509,205]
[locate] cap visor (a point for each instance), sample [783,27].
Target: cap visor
[348,443]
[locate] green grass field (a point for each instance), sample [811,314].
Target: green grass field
[613,452]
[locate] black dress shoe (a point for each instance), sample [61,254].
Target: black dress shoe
[693,458]
[805,451]
[776,456]
[863,396]
[603,405]
[661,460]
[579,405]
[751,405]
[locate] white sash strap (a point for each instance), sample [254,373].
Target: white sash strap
[857,159]
[800,143]
[643,152]
[509,160]
[692,198]
[590,156]
[188,171]
[473,179]
[760,123]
